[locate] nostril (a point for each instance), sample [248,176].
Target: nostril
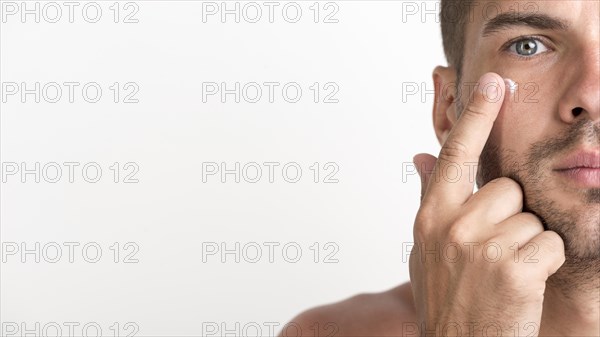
[577,111]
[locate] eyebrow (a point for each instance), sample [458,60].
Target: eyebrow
[511,19]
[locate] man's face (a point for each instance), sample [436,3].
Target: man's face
[554,113]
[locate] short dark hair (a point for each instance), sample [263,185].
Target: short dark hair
[454,15]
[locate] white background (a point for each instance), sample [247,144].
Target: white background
[372,52]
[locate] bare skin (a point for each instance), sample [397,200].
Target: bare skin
[559,294]
[378,314]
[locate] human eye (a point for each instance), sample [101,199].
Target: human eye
[526,47]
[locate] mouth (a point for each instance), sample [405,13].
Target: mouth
[581,168]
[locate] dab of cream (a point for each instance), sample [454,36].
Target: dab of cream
[512,86]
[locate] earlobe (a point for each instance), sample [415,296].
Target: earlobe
[444,110]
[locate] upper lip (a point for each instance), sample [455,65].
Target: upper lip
[580,159]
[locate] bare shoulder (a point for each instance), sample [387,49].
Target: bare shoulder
[376,314]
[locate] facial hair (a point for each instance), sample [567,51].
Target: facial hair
[579,230]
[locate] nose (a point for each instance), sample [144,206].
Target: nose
[582,99]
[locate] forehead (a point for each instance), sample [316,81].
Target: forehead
[578,14]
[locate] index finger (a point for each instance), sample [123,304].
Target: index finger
[452,179]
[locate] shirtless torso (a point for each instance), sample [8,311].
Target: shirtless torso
[378,314]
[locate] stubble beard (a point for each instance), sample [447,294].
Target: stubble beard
[579,227]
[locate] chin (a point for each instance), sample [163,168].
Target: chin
[571,215]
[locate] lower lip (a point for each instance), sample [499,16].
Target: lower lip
[583,176]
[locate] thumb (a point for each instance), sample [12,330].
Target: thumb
[424,164]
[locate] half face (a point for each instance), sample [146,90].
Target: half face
[547,135]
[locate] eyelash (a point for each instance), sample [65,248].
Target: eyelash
[538,39]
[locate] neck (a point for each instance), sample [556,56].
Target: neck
[572,302]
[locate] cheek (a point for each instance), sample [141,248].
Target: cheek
[520,123]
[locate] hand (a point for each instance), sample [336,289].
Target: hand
[468,276]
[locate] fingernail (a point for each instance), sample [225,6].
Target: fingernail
[488,85]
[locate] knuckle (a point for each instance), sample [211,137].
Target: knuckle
[420,233]
[528,219]
[474,111]
[509,188]
[507,184]
[453,149]
[510,274]
[424,215]
[459,230]
[424,223]
[551,242]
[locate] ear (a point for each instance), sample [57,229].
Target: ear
[444,109]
